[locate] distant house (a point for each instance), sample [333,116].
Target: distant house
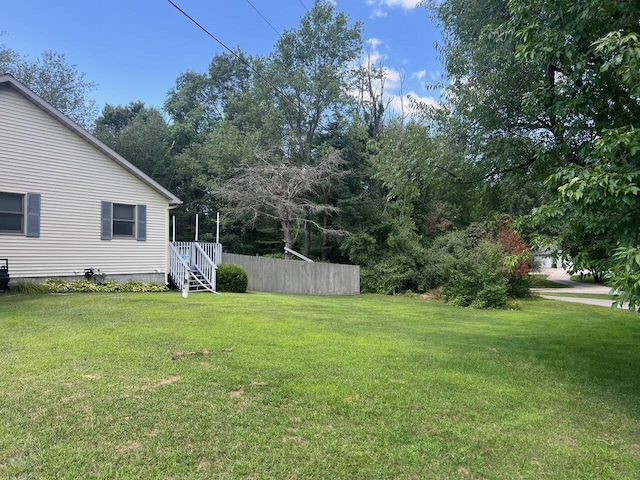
[68,203]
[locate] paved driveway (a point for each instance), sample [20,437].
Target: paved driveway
[558,275]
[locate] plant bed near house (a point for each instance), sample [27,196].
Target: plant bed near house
[281,386]
[56,285]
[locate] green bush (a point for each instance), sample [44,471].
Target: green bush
[471,270]
[491,296]
[231,278]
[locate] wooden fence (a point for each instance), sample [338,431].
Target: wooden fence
[292,276]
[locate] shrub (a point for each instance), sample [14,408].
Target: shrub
[82,286]
[231,278]
[470,270]
[133,286]
[56,285]
[491,296]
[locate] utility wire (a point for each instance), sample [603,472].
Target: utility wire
[305,7]
[251,67]
[262,16]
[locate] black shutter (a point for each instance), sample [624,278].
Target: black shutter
[106,221]
[142,223]
[33,215]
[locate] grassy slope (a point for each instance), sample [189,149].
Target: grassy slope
[539,280]
[275,386]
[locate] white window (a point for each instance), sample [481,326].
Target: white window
[124,220]
[119,220]
[11,213]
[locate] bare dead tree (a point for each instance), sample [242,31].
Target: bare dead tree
[281,191]
[368,88]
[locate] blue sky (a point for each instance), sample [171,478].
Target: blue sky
[135,49]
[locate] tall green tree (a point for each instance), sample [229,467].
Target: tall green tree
[55,80]
[311,69]
[569,93]
[587,89]
[142,136]
[492,136]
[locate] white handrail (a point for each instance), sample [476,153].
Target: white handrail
[180,270]
[205,265]
[299,255]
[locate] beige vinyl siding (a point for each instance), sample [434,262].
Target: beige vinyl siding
[38,154]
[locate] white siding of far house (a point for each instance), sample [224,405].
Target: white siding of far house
[39,154]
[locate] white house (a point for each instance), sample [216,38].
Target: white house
[69,203]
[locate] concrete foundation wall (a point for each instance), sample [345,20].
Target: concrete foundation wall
[292,276]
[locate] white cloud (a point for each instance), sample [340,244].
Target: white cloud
[435,75]
[380,6]
[406,104]
[424,99]
[393,82]
[406,4]
[374,43]
[393,78]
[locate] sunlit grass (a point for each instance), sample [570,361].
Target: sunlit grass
[597,296]
[540,280]
[277,386]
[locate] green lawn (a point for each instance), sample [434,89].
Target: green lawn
[540,280]
[153,386]
[597,296]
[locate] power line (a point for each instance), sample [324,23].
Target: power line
[262,16]
[302,3]
[251,67]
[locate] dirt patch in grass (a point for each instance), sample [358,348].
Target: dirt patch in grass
[180,355]
[130,447]
[237,393]
[293,439]
[167,381]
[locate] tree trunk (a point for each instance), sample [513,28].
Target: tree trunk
[307,233]
[325,225]
[286,231]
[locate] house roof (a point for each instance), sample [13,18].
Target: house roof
[11,82]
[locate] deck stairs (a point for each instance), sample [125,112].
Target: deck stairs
[193,265]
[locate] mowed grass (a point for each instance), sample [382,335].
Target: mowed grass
[266,386]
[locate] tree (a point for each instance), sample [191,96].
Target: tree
[280,191]
[490,137]
[588,90]
[310,68]
[53,79]
[570,95]
[141,135]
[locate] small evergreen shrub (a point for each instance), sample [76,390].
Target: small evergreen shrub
[231,278]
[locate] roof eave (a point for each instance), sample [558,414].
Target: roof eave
[9,80]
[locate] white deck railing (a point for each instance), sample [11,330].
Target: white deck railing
[186,258]
[204,264]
